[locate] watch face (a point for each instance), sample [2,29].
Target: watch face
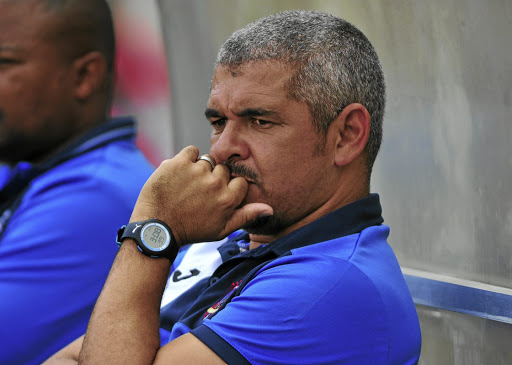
[155,236]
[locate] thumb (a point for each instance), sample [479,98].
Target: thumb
[247,214]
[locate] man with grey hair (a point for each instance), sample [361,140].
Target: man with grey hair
[296,109]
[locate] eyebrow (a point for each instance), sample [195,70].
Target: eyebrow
[249,112]
[212,113]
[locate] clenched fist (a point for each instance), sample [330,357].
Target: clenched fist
[197,203]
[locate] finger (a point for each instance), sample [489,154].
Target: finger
[206,158]
[207,155]
[238,186]
[222,172]
[190,153]
[245,215]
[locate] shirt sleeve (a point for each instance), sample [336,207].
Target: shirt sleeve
[54,258]
[307,310]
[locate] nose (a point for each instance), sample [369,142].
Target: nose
[230,144]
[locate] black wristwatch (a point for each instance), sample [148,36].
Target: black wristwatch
[154,238]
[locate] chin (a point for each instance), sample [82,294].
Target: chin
[253,196]
[266,226]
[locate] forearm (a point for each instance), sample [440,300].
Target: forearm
[124,325]
[123,328]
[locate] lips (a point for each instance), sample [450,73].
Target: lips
[245,177]
[238,170]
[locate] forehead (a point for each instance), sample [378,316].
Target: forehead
[24,22]
[250,83]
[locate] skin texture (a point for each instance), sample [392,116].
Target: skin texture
[269,139]
[268,149]
[288,177]
[47,98]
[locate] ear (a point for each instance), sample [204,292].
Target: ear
[90,72]
[352,128]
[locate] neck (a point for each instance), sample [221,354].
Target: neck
[86,119]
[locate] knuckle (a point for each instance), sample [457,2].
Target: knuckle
[215,183]
[227,200]
[191,148]
[224,169]
[164,163]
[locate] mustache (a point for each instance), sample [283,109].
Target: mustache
[243,171]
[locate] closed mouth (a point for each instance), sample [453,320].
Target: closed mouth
[245,177]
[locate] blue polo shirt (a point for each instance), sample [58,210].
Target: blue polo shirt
[57,224]
[331,292]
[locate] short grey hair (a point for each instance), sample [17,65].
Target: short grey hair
[335,65]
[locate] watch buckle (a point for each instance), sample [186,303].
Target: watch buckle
[120,232]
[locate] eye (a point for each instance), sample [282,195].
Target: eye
[218,124]
[261,122]
[6,61]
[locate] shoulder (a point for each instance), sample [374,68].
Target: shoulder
[308,307]
[115,172]
[115,160]
[330,307]
[310,286]
[96,190]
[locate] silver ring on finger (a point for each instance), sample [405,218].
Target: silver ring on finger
[207,158]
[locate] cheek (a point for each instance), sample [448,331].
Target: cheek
[11,87]
[28,104]
[295,175]
[279,161]
[21,93]
[16,104]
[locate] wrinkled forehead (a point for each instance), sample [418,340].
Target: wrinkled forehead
[269,73]
[259,74]
[258,86]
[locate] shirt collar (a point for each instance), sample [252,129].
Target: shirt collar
[16,179]
[349,219]
[115,129]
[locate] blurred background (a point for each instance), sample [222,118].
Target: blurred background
[445,169]
[142,87]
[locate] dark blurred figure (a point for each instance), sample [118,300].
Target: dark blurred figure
[71,176]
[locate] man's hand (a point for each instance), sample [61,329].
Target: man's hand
[197,203]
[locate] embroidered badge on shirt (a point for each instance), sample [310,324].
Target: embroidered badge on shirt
[222,303]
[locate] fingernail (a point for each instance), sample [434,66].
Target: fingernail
[265,214]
